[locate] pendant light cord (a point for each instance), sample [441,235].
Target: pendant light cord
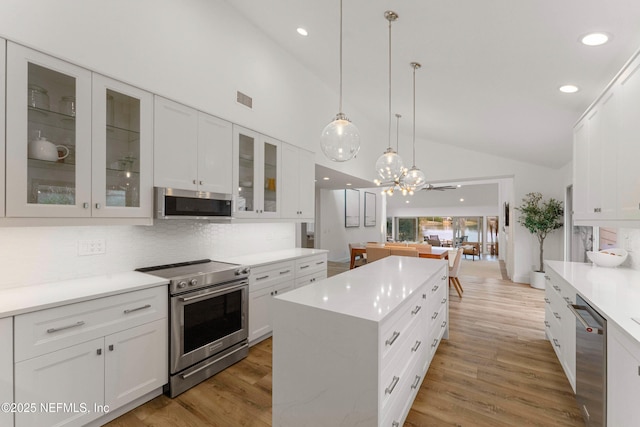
[340,102]
[398,132]
[414,116]
[389,82]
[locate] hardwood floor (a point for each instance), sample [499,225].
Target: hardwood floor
[496,369]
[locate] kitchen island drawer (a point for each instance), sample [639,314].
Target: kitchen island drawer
[310,265]
[49,330]
[267,275]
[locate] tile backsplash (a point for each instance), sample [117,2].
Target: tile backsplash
[632,235]
[45,254]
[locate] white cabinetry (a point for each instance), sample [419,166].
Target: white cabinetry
[257,174]
[623,378]
[265,282]
[629,148]
[560,323]
[192,149]
[298,194]
[6,369]
[3,52]
[90,353]
[310,269]
[68,133]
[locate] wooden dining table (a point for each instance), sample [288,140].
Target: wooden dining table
[357,250]
[433,252]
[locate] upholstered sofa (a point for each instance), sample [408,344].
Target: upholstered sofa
[471,248]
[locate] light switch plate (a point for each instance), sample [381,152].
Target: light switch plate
[91,247]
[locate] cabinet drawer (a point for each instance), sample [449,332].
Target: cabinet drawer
[310,278]
[397,411]
[48,330]
[311,265]
[268,275]
[396,330]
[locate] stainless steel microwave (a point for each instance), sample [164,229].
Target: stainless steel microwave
[171,203]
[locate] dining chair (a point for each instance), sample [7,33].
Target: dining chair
[454,270]
[375,253]
[413,252]
[360,259]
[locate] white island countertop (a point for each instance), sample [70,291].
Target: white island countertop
[369,293]
[25,299]
[261,258]
[614,292]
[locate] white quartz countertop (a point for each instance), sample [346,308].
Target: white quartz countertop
[369,292]
[613,292]
[261,258]
[25,299]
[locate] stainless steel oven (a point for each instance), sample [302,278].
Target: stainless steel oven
[208,319]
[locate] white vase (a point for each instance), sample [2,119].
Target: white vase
[536,279]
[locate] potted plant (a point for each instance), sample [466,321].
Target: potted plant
[540,217]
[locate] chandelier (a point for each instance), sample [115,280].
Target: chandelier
[340,139]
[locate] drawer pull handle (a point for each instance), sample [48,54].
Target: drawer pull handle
[131,310]
[556,287]
[416,383]
[319,262]
[435,288]
[555,342]
[547,324]
[394,383]
[395,424]
[415,347]
[424,296]
[304,266]
[568,300]
[557,316]
[547,301]
[547,278]
[62,328]
[262,277]
[435,315]
[99,351]
[443,278]
[285,272]
[444,323]
[393,338]
[435,343]
[110,347]
[416,310]
[443,301]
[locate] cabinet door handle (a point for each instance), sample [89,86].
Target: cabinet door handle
[201,182]
[62,328]
[555,342]
[444,323]
[194,181]
[435,343]
[313,280]
[415,347]
[263,277]
[547,301]
[393,338]
[557,316]
[99,351]
[275,292]
[443,301]
[443,278]
[547,278]
[394,383]
[285,272]
[415,383]
[85,205]
[98,206]
[131,310]
[424,296]
[110,347]
[416,310]
[556,287]
[547,324]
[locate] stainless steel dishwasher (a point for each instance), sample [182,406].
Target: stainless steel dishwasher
[591,363]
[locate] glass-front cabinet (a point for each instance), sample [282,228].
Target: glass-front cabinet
[257,174]
[74,148]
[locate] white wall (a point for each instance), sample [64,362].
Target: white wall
[334,236]
[45,254]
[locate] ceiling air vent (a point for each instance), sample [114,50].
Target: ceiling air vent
[245,100]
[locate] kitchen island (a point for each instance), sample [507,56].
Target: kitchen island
[353,349]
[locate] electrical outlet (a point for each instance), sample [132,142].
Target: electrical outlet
[91,247]
[627,242]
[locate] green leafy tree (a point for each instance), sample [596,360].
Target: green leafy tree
[540,217]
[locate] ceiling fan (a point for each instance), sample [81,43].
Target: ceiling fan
[440,188]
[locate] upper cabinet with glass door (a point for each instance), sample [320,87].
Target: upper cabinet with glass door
[122,149]
[256,179]
[75,149]
[48,151]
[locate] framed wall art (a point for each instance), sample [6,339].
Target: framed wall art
[351,208]
[369,209]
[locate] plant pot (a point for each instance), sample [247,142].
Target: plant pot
[536,279]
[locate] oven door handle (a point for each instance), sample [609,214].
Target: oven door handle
[217,291]
[185,376]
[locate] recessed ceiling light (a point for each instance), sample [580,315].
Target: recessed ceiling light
[326,178]
[595,39]
[348,184]
[406,201]
[462,200]
[569,89]
[459,185]
[302,31]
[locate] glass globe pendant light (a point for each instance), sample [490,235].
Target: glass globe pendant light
[390,166]
[340,139]
[415,179]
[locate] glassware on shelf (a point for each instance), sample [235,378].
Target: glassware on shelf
[38,97]
[67,105]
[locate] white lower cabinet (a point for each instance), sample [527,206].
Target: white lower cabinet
[623,379]
[80,361]
[310,270]
[6,368]
[260,325]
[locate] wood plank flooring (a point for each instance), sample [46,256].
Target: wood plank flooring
[496,369]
